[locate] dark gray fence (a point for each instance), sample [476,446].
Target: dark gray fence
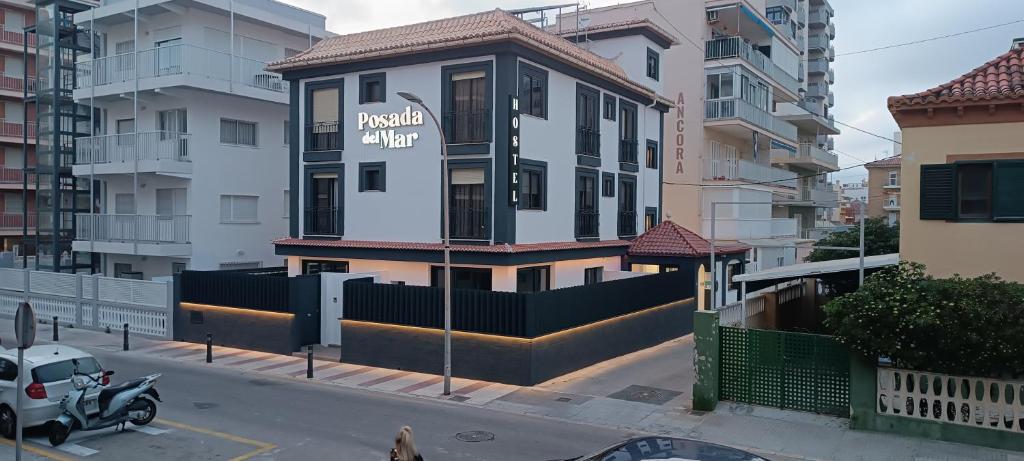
[260,291]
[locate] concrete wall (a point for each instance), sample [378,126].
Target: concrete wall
[878,178]
[966,248]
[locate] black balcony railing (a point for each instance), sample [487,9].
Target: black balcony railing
[468,223]
[627,150]
[323,136]
[627,224]
[463,127]
[321,221]
[587,223]
[588,141]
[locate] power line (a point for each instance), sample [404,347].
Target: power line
[930,39]
[869,133]
[757,183]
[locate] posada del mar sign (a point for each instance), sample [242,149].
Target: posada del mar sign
[380,128]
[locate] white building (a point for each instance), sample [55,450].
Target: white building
[190,133]
[551,206]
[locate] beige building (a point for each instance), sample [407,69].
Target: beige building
[963,170]
[884,189]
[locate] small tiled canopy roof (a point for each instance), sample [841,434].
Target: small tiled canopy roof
[628,24]
[423,246]
[672,240]
[999,80]
[885,162]
[457,32]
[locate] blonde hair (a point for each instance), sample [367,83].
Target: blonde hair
[405,447]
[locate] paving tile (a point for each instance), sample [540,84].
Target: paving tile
[645,394]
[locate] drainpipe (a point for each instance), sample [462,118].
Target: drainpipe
[231,67]
[135,130]
[92,132]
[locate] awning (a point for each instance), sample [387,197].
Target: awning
[808,270]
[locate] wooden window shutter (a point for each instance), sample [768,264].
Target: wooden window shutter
[938,191]
[1008,190]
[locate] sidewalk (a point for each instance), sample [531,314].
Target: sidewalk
[645,392]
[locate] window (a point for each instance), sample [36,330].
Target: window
[310,266]
[372,88]
[124,204]
[171,202]
[533,91]
[323,115]
[533,279]
[592,275]
[177,268]
[974,190]
[322,203]
[533,185]
[650,218]
[719,86]
[651,154]
[733,269]
[121,268]
[588,137]
[8,370]
[586,204]
[627,132]
[607,184]
[894,179]
[238,209]
[238,132]
[372,176]
[13,203]
[172,121]
[62,371]
[653,66]
[463,278]
[126,131]
[609,107]
[467,201]
[467,103]
[287,132]
[287,204]
[627,205]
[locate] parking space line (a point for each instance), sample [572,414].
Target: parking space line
[148,430]
[36,450]
[261,447]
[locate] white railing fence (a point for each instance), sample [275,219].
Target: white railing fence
[128,147]
[984,403]
[90,301]
[732,314]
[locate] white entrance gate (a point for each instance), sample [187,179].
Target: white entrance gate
[332,295]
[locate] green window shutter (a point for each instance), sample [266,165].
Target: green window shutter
[938,191]
[1008,190]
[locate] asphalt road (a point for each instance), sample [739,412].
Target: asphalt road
[218,415]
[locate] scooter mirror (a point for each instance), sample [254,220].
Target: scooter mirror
[108,373]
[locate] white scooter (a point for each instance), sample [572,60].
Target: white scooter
[118,405]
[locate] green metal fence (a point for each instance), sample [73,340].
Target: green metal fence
[794,371]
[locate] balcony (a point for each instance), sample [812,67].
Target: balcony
[467,127]
[817,90]
[149,235]
[323,136]
[160,152]
[11,175]
[822,195]
[588,141]
[892,203]
[784,227]
[830,99]
[817,66]
[13,222]
[807,156]
[723,164]
[627,224]
[817,42]
[790,5]
[321,221]
[801,16]
[13,130]
[185,65]
[587,224]
[830,76]
[831,30]
[468,223]
[818,17]
[891,185]
[627,151]
[736,47]
[16,84]
[740,110]
[16,38]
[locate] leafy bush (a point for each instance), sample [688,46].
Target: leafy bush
[879,239]
[964,326]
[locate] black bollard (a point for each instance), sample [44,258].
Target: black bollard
[126,336]
[309,362]
[209,348]
[56,337]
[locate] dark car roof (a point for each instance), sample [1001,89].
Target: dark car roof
[668,448]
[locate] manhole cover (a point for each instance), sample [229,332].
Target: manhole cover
[204,405]
[474,436]
[458,398]
[645,394]
[563,399]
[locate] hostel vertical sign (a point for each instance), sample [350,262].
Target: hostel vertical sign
[513,150]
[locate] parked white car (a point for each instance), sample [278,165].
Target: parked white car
[47,382]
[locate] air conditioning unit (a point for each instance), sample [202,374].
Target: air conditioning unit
[712,17]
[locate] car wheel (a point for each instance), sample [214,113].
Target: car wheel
[143,410]
[8,422]
[58,433]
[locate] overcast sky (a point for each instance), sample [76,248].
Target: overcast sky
[863,81]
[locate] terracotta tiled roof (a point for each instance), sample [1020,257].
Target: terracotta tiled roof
[671,239]
[999,80]
[420,246]
[885,162]
[461,31]
[628,24]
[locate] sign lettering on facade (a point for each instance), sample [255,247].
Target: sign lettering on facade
[513,151]
[379,128]
[680,136]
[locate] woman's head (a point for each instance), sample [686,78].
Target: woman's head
[405,447]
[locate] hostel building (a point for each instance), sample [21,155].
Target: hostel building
[554,154]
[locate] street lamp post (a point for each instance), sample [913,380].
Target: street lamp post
[446,242]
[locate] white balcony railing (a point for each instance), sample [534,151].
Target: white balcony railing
[736,47]
[133,228]
[817,66]
[818,16]
[784,227]
[723,163]
[822,195]
[724,109]
[812,152]
[129,147]
[818,42]
[178,60]
[891,203]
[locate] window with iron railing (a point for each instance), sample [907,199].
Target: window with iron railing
[323,129]
[321,220]
[587,223]
[627,132]
[588,136]
[467,116]
[627,206]
[467,204]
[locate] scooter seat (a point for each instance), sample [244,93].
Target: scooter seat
[106,395]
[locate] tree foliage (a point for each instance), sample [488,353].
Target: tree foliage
[879,239]
[963,326]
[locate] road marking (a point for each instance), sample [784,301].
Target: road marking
[261,447]
[67,447]
[148,430]
[36,450]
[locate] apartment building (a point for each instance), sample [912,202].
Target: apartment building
[17,76]
[963,170]
[555,154]
[740,134]
[189,133]
[884,187]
